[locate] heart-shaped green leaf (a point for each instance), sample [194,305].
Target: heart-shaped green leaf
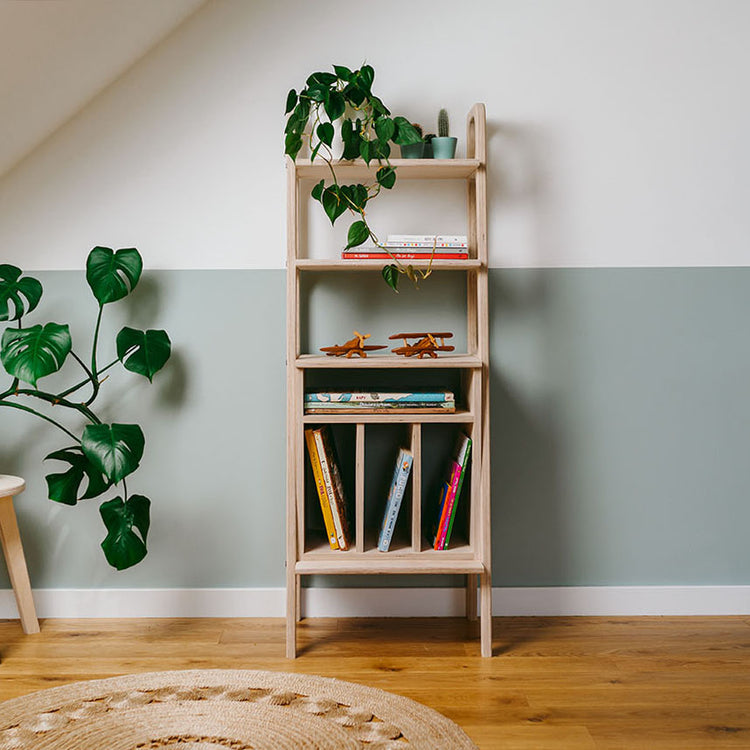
[405,133]
[358,233]
[113,275]
[65,487]
[115,450]
[333,204]
[31,353]
[343,72]
[23,293]
[143,352]
[390,274]
[122,547]
[325,133]
[386,177]
[335,106]
[317,191]
[385,128]
[365,76]
[291,101]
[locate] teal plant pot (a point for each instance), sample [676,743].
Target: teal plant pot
[412,151]
[444,148]
[427,150]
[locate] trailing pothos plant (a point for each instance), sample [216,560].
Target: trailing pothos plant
[100,455]
[367,129]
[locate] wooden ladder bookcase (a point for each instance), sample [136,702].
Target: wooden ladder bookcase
[470,556]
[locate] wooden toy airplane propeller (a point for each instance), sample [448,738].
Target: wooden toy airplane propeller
[355,346]
[428,344]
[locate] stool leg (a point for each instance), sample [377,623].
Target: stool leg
[19,575]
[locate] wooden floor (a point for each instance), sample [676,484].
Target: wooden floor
[553,683]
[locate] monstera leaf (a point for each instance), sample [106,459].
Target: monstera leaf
[143,352]
[114,449]
[65,487]
[14,290]
[113,275]
[122,546]
[31,353]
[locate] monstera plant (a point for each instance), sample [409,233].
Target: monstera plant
[345,99]
[100,455]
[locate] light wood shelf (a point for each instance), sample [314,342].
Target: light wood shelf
[469,554]
[406,169]
[361,264]
[390,361]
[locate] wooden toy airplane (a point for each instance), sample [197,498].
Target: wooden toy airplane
[427,345]
[355,346]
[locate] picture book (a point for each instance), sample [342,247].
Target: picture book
[334,485]
[395,495]
[451,492]
[312,452]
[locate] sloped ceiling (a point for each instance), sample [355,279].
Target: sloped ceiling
[56,55]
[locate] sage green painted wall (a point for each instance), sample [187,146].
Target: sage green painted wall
[620,424]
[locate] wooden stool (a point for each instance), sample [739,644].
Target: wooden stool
[11,540]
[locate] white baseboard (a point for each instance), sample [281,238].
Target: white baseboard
[609,601]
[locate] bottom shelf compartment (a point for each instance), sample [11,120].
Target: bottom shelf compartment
[365,464]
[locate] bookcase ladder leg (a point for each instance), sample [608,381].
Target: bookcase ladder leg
[471,597]
[292,586]
[485,593]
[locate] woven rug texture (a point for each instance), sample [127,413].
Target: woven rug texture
[214,709]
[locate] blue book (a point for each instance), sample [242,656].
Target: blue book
[395,496]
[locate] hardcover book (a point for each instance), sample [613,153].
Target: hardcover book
[334,485]
[312,452]
[395,496]
[451,493]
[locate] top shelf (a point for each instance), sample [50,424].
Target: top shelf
[406,169]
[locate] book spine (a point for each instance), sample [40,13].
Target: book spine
[338,486]
[321,488]
[328,482]
[426,239]
[444,489]
[378,396]
[395,496]
[404,256]
[464,461]
[448,505]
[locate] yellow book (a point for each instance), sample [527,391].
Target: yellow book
[321,487]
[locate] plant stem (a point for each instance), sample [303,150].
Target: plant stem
[50,398]
[40,415]
[74,388]
[94,345]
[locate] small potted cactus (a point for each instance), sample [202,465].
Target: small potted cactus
[413,150]
[443,145]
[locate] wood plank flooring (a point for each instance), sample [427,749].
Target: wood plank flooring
[573,683]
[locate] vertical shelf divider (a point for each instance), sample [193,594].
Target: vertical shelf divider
[359,489]
[416,488]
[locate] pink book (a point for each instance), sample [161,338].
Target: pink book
[447,510]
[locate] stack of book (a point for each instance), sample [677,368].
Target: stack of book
[374,402]
[450,493]
[413,247]
[325,467]
[395,496]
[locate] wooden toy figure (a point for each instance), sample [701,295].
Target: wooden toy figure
[426,345]
[355,346]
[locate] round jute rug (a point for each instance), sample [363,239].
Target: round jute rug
[217,709]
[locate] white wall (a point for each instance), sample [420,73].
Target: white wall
[619,130]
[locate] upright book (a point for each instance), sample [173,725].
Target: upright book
[395,495]
[451,493]
[334,485]
[320,486]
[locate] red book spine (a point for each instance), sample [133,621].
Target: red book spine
[447,507]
